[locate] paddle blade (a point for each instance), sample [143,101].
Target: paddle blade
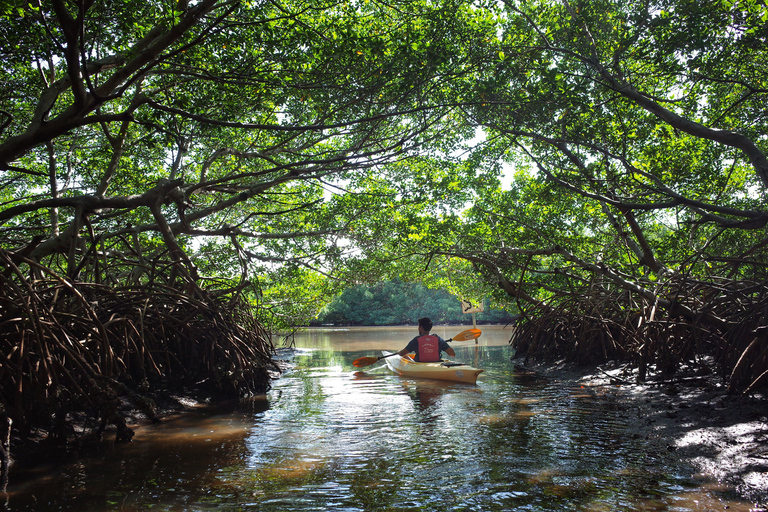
[469,334]
[364,361]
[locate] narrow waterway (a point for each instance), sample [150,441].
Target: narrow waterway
[330,437]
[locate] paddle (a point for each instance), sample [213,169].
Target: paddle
[469,334]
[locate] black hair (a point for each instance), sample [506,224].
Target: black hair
[425,323]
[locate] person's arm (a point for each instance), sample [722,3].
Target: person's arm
[445,347]
[412,346]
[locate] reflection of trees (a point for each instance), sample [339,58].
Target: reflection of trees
[375,486]
[308,401]
[566,446]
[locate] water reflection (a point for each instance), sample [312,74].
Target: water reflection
[330,437]
[166,466]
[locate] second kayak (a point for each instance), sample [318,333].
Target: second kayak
[442,370]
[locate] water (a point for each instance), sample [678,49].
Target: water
[329,437]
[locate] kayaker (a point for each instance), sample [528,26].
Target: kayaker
[427,347]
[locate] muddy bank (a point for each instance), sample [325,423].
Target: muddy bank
[723,437]
[86,435]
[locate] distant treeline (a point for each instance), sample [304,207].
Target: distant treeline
[400,303]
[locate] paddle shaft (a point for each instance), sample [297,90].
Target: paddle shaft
[388,355]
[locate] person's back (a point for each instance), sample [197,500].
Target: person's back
[426,346]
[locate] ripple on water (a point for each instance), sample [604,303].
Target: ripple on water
[336,439]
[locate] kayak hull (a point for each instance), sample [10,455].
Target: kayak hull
[407,367]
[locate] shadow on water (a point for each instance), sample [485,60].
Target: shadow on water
[167,465]
[332,437]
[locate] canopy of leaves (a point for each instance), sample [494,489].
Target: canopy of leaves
[232,139]
[636,134]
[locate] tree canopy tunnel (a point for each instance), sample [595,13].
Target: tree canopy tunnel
[180,179]
[174,175]
[635,225]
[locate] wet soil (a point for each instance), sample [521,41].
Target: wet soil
[722,436]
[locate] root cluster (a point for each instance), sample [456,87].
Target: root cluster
[727,335]
[72,350]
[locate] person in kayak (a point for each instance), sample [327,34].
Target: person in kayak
[427,346]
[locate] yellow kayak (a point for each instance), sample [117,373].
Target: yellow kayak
[442,370]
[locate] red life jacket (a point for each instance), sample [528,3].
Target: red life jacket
[429,348]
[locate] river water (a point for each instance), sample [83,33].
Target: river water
[331,437]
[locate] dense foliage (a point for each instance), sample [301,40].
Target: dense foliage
[243,143]
[398,303]
[634,225]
